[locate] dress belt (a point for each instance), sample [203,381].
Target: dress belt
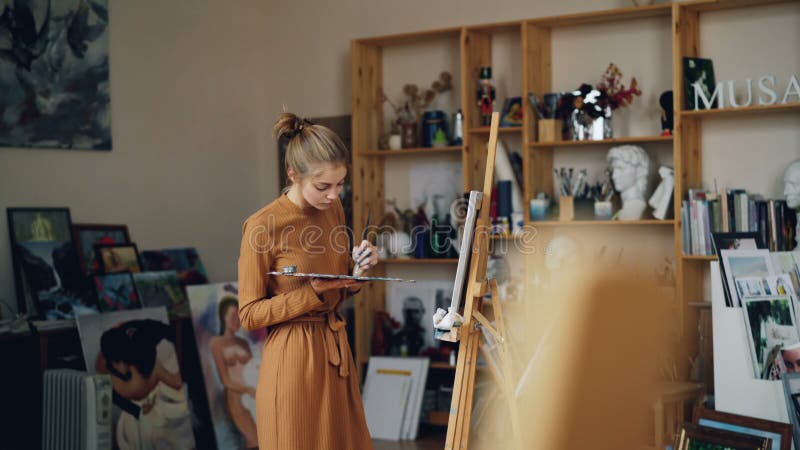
[335,336]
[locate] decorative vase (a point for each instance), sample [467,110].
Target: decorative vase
[584,127]
[395,142]
[409,134]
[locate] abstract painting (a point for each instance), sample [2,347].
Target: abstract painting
[54,74]
[230,358]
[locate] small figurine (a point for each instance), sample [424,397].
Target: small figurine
[667,121]
[485,95]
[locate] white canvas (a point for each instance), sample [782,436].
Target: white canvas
[418,367]
[735,388]
[745,263]
[385,401]
[142,419]
[239,355]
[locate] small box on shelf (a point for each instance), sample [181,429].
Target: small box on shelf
[550,130]
[566,208]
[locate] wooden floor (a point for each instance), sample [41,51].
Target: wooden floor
[429,441]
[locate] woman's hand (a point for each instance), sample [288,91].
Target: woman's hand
[365,257]
[321,285]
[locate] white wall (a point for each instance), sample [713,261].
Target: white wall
[188,127]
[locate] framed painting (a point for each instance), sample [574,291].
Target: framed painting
[118,258]
[46,267]
[185,261]
[86,236]
[779,433]
[162,289]
[116,292]
[733,241]
[694,437]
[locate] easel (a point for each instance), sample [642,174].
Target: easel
[469,333]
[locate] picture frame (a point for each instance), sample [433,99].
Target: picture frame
[779,433]
[86,236]
[115,258]
[116,291]
[512,112]
[694,437]
[186,261]
[162,288]
[744,263]
[700,72]
[733,241]
[791,392]
[774,317]
[48,279]
[465,250]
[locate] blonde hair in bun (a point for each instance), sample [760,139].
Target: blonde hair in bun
[309,144]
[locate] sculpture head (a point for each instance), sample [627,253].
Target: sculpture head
[630,165]
[791,185]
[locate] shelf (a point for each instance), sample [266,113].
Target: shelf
[703,6]
[442,365]
[699,257]
[440,418]
[501,130]
[787,107]
[604,142]
[410,38]
[578,223]
[419,261]
[700,304]
[412,151]
[635,12]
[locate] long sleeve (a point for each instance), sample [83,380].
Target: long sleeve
[255,309]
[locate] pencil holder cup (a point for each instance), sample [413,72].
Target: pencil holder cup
[539,208]
[566,208]
[550,130]
[603,210]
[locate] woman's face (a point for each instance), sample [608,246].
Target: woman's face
[322,189]
[232,319]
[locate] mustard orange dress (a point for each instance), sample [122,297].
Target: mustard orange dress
[307,395]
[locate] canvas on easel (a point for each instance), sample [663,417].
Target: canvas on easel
[476,286]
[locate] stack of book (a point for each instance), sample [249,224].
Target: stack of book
[735,211]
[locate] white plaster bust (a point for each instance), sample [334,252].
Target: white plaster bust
[660,199]
[630,165]
[791,189]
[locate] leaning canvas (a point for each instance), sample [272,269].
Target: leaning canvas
[54,74]
[770,325]
[137,349]
[230,358]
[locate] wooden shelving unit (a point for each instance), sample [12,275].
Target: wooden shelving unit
[414,261]
[413,151]
[602,223]
[605,143]
[535,36]
[745,110]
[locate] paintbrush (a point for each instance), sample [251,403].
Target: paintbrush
[364,235]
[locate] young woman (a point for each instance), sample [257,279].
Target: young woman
[307,395]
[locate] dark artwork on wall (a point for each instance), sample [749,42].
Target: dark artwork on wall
[54,74]
[341,126]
